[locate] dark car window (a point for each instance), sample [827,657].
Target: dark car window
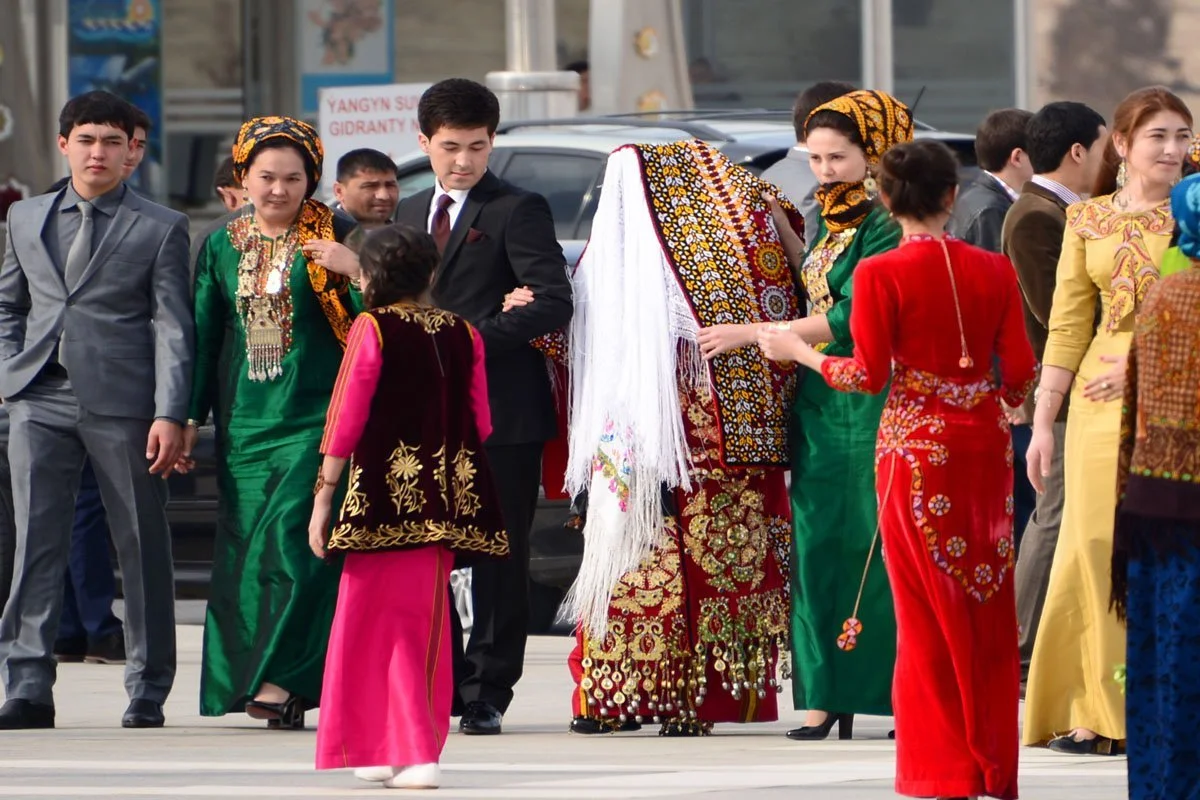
[564,179]
[415,180]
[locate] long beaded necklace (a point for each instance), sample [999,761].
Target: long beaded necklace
[264,298]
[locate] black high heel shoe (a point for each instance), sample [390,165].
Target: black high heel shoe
[288,715]
[815,733]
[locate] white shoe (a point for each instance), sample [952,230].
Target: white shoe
[418,776]
[374,774]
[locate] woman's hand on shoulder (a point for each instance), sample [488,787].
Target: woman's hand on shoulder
[333,256]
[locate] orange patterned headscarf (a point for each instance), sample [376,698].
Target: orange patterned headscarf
[882,120]
[261,129]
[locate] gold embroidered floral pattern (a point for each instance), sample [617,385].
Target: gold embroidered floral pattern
[1134,270]
[439,475]
[656,585]
[468,538]
[429,318]
[355,504]
[404,469]
[466,501]
[953,393]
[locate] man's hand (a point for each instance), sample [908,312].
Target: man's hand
[164,446]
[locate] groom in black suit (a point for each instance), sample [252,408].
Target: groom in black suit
[494,238]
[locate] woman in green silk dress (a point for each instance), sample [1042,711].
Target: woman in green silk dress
[272,316]
[838,669]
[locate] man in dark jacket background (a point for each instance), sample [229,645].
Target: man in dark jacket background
[1000,149]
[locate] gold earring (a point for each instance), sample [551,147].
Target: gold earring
[871,187]
[1122,175]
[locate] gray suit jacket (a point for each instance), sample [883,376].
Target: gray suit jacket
[127,327]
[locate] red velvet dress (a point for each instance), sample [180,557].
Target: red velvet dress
[944,480]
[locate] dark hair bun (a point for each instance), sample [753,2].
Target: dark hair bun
[916,178]
[398,262]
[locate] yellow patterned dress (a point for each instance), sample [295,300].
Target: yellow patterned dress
[1109,257]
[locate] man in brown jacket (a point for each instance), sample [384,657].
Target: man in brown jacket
[1065,142]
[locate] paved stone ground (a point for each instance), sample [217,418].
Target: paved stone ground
[89,755]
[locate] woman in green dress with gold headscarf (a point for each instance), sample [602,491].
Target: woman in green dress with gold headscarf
[274,301]
[843,623]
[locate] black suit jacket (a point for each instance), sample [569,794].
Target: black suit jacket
[979,213]
[504,238]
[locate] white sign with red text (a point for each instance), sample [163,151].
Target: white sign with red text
[383,118]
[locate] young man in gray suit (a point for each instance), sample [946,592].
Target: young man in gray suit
[96,343]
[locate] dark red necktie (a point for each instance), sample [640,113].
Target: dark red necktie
[441,222]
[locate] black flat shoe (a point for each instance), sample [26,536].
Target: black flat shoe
[1098,746]
[590,727]
[288,715]
[23,715]
[815,733]
[480,719]
[143,714]
[108,649]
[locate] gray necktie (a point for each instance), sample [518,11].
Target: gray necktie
[81,249]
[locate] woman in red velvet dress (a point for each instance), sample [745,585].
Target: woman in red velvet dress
[934,316]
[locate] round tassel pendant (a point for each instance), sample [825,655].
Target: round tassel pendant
[966,362]
[848,639]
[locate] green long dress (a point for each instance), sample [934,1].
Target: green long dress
[271,600]
[834,513]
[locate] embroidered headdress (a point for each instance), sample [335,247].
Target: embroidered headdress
[682,239]
[262,129]
[882,122]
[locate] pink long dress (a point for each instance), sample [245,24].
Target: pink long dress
[388,676]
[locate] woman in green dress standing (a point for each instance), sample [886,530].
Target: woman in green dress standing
[273,306]
[843,626]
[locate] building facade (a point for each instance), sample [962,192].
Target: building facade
[954,59]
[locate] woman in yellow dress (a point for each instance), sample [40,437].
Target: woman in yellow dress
[1111,252]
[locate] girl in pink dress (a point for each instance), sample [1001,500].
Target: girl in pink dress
[409,415]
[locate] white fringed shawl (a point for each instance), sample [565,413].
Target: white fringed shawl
[627,437]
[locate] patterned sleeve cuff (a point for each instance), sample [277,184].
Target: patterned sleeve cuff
[844,374]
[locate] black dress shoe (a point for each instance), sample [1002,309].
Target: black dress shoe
[143,714]
[591,727]
[17,715]
[70,651]
[108,649]
[480,719]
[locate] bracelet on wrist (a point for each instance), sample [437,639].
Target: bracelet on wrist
[322,483]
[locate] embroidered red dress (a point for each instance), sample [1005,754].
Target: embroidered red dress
[944,479]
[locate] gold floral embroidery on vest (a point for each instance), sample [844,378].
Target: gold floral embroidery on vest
[404,470]
[466,538]
[355,504]
[430,319]
[1134,271]
[466,501]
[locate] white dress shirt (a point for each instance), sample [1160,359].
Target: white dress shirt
[458,195]
[1051,185]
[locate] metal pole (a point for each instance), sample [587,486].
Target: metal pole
[1023,52]
[877,52]
[530,35]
